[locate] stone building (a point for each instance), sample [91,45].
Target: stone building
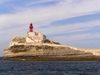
[35,37]
[32,37]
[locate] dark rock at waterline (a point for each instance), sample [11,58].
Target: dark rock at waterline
[83,73]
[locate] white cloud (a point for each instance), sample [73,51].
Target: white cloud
[77,37]
[79,40]
[41,1]
[69,28]
[46,15]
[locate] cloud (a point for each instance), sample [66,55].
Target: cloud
[47,15]
[41,1]
[70,28]
[77,37]
[85,40]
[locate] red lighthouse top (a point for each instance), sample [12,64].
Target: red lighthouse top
[31,27]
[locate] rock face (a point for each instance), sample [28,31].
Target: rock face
[19,39]
[47,51]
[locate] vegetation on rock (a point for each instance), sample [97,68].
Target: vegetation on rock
[55,42]
[51,42]
[23,48]
[17,46]
[44,47]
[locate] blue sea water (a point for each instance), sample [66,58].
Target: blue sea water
[49,67]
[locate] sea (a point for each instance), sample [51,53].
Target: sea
[9,67]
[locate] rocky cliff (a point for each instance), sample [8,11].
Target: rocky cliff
[45,52]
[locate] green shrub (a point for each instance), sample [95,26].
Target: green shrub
[17,46]
[48,47]
[45,47]
[38,47]
[55,42]
[47,41]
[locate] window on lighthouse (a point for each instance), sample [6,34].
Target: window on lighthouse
[36,33]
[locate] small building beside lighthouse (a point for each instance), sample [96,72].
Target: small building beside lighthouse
[32,38]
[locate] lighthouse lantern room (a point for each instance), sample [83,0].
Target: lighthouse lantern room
[31,27]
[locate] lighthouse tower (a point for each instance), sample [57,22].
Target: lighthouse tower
[31,27]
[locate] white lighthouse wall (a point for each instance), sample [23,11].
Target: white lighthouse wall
[30,34]
[29,40]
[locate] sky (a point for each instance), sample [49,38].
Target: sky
[74,23]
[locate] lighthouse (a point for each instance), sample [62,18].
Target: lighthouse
[31,28]
[32,38]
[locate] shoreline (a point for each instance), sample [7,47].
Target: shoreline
[32,58]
